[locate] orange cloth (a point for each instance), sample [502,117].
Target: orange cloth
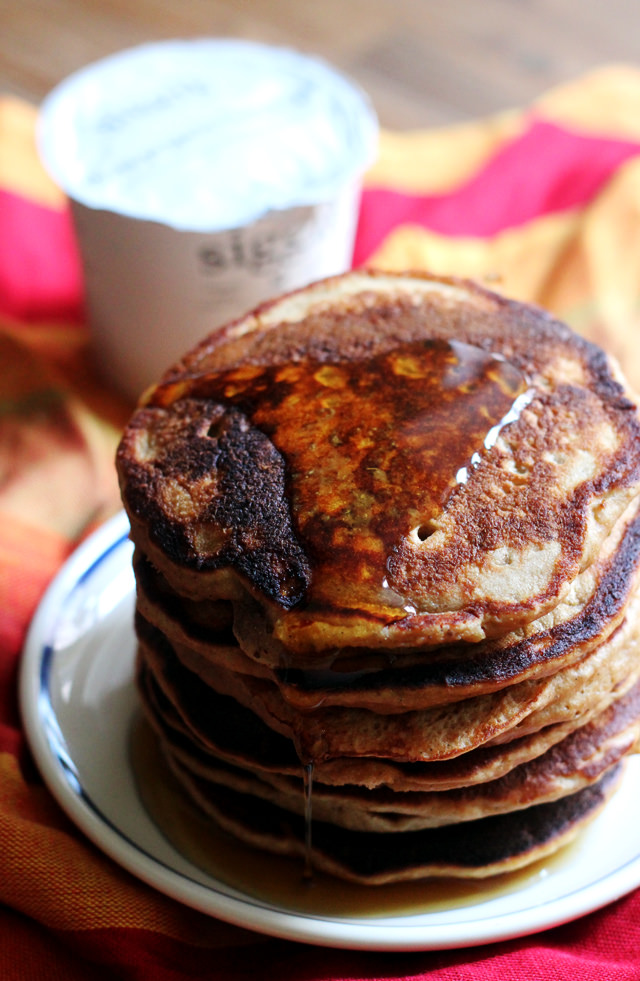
[435,200]
[581,262]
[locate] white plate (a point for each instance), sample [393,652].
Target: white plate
[79,704]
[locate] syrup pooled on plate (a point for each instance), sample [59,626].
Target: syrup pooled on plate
[372,449]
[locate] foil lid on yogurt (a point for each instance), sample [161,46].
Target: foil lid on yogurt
[206,134]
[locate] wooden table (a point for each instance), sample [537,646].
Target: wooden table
[423,62]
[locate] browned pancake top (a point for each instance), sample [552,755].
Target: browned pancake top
[381,459]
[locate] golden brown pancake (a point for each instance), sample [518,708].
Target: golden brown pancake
[578,761]
[591,610]
[459,457]
[387,529]
[476,849]
[440,732]
[212,729]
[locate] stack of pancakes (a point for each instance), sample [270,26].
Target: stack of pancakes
[387,554]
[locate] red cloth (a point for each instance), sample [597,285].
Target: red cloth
[40,276]
[507,192]
[549,201]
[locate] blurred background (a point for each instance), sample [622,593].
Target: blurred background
[423,62]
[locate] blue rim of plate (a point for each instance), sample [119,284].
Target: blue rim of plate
[415,931]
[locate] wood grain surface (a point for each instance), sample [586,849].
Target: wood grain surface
[423,62]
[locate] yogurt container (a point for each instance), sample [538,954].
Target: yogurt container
[204,176]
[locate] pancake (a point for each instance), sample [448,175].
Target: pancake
[217,729]
[592,609]
[435,733]
[387,559]
[480,456]
[578,761]
[478,849]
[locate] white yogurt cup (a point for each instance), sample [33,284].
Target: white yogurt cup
[204,177]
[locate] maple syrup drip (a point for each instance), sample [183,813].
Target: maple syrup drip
[308,819]
[372,449]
